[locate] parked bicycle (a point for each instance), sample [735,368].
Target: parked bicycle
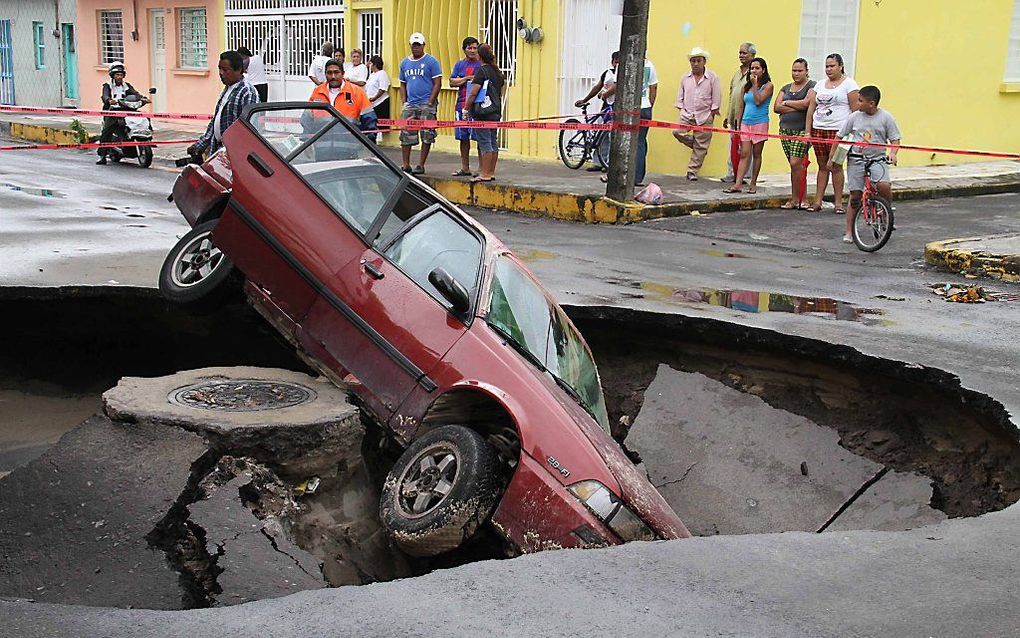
[578,146]
[873,218]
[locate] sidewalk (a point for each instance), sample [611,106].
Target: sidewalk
[996,256]
[549,189]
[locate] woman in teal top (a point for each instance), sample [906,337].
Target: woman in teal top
[754,123]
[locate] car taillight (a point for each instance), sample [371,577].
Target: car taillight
[611,511]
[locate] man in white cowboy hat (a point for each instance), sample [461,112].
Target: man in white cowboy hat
[699,100]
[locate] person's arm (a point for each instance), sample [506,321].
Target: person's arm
[780,105]
[107,95]
[680,96]
[716,98]
[738,116]
[592,93]
[809,117]
[437,83]
[608,92]
[472,92]
[894,151]
[457,78]
[852,99]
[761,94]
[311,73]
[653,92]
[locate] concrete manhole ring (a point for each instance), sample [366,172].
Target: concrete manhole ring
[241,395]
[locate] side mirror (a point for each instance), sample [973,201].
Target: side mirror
[451,289]
[152,90]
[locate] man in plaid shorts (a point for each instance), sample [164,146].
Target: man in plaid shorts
[421,76]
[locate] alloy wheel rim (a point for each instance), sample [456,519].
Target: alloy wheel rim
[196,261]
[427,481]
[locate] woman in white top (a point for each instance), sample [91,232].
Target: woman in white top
[357,72]
[830,104]
[378,90]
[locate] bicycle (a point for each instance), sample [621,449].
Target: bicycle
[873,218]
[576,147]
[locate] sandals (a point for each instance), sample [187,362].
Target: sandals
[733,189]
[461,173]
[840,211]
[790,206]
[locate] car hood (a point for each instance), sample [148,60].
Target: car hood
[639,495]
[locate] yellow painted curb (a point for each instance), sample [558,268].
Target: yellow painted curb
[42,134]
[945,255]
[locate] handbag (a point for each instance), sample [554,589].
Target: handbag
[484,105]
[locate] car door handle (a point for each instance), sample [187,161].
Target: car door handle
[260,164]
[373,270]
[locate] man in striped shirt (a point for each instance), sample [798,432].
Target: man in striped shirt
[237,93]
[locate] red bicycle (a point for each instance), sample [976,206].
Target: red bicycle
[873,219]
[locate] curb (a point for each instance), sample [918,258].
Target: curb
[590,208]
[945,255]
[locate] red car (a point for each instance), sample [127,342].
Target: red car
[443,335]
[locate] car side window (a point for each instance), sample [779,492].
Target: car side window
[438,241]
[356,193]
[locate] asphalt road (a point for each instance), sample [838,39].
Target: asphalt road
[949,579]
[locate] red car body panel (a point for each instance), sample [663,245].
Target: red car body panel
[353,312]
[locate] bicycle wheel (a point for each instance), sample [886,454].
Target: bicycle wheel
[601,154]
[873,229]
[573,146]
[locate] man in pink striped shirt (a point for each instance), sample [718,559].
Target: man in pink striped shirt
[698,101]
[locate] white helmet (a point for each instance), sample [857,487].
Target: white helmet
[117,67]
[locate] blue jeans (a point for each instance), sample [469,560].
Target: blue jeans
[642,148]
[604,143]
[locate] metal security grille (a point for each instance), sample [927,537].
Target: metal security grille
[111,36]
[305,35]
[591,34]
[6,64]
[829,26]
[370,31]
[499,30]
[258,34]
[281,6]
[193,43]
[1013,50]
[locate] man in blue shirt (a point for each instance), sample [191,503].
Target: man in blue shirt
[463,73]
[421,76]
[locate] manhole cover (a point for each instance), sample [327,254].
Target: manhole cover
[241,395]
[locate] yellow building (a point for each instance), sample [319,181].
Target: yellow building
[950,73]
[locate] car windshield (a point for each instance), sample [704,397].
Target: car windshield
[521,312]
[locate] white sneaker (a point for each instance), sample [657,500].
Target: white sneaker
[847,239]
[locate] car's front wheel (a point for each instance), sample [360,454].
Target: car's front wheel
[440,491]
[195,270]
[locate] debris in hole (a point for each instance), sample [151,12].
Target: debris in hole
[970,294]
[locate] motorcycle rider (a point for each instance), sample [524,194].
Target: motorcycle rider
[116,89]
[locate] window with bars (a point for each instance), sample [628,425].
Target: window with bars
[1013,49]
[192,42]
[371,32]
[829,26]
[111,36]
[40,45]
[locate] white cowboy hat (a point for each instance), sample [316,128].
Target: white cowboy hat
[698,52]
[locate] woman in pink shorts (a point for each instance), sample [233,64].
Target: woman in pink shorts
[753,117]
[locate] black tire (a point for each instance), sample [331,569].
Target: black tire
[421,519]
[870,236]
[573,146]
[195,270]
[145,156]
[597,151]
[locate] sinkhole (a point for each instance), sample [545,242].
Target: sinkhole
[742,430]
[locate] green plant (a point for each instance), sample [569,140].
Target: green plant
[81,135]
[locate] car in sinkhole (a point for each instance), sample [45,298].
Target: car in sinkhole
[440,332]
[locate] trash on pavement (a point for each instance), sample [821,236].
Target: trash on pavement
[970,294]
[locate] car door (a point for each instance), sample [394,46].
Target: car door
[286,236]
[410,322]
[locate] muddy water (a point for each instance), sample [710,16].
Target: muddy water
[34,417]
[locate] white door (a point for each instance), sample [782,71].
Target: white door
[370,32]
[591,32]
[157,23]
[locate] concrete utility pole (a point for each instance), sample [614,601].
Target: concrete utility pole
[623,149]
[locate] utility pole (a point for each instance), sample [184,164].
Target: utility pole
[627,109]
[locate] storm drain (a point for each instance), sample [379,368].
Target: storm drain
[245,395]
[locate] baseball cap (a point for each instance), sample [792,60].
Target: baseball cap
[417,38]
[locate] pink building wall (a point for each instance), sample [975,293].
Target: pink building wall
[187,90]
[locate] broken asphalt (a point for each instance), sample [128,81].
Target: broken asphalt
[951,578]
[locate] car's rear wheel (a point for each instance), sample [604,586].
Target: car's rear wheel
[195,270]
[440,491]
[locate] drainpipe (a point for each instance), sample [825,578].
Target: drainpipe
[134,18]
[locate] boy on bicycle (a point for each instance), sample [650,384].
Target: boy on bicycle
[874,125]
